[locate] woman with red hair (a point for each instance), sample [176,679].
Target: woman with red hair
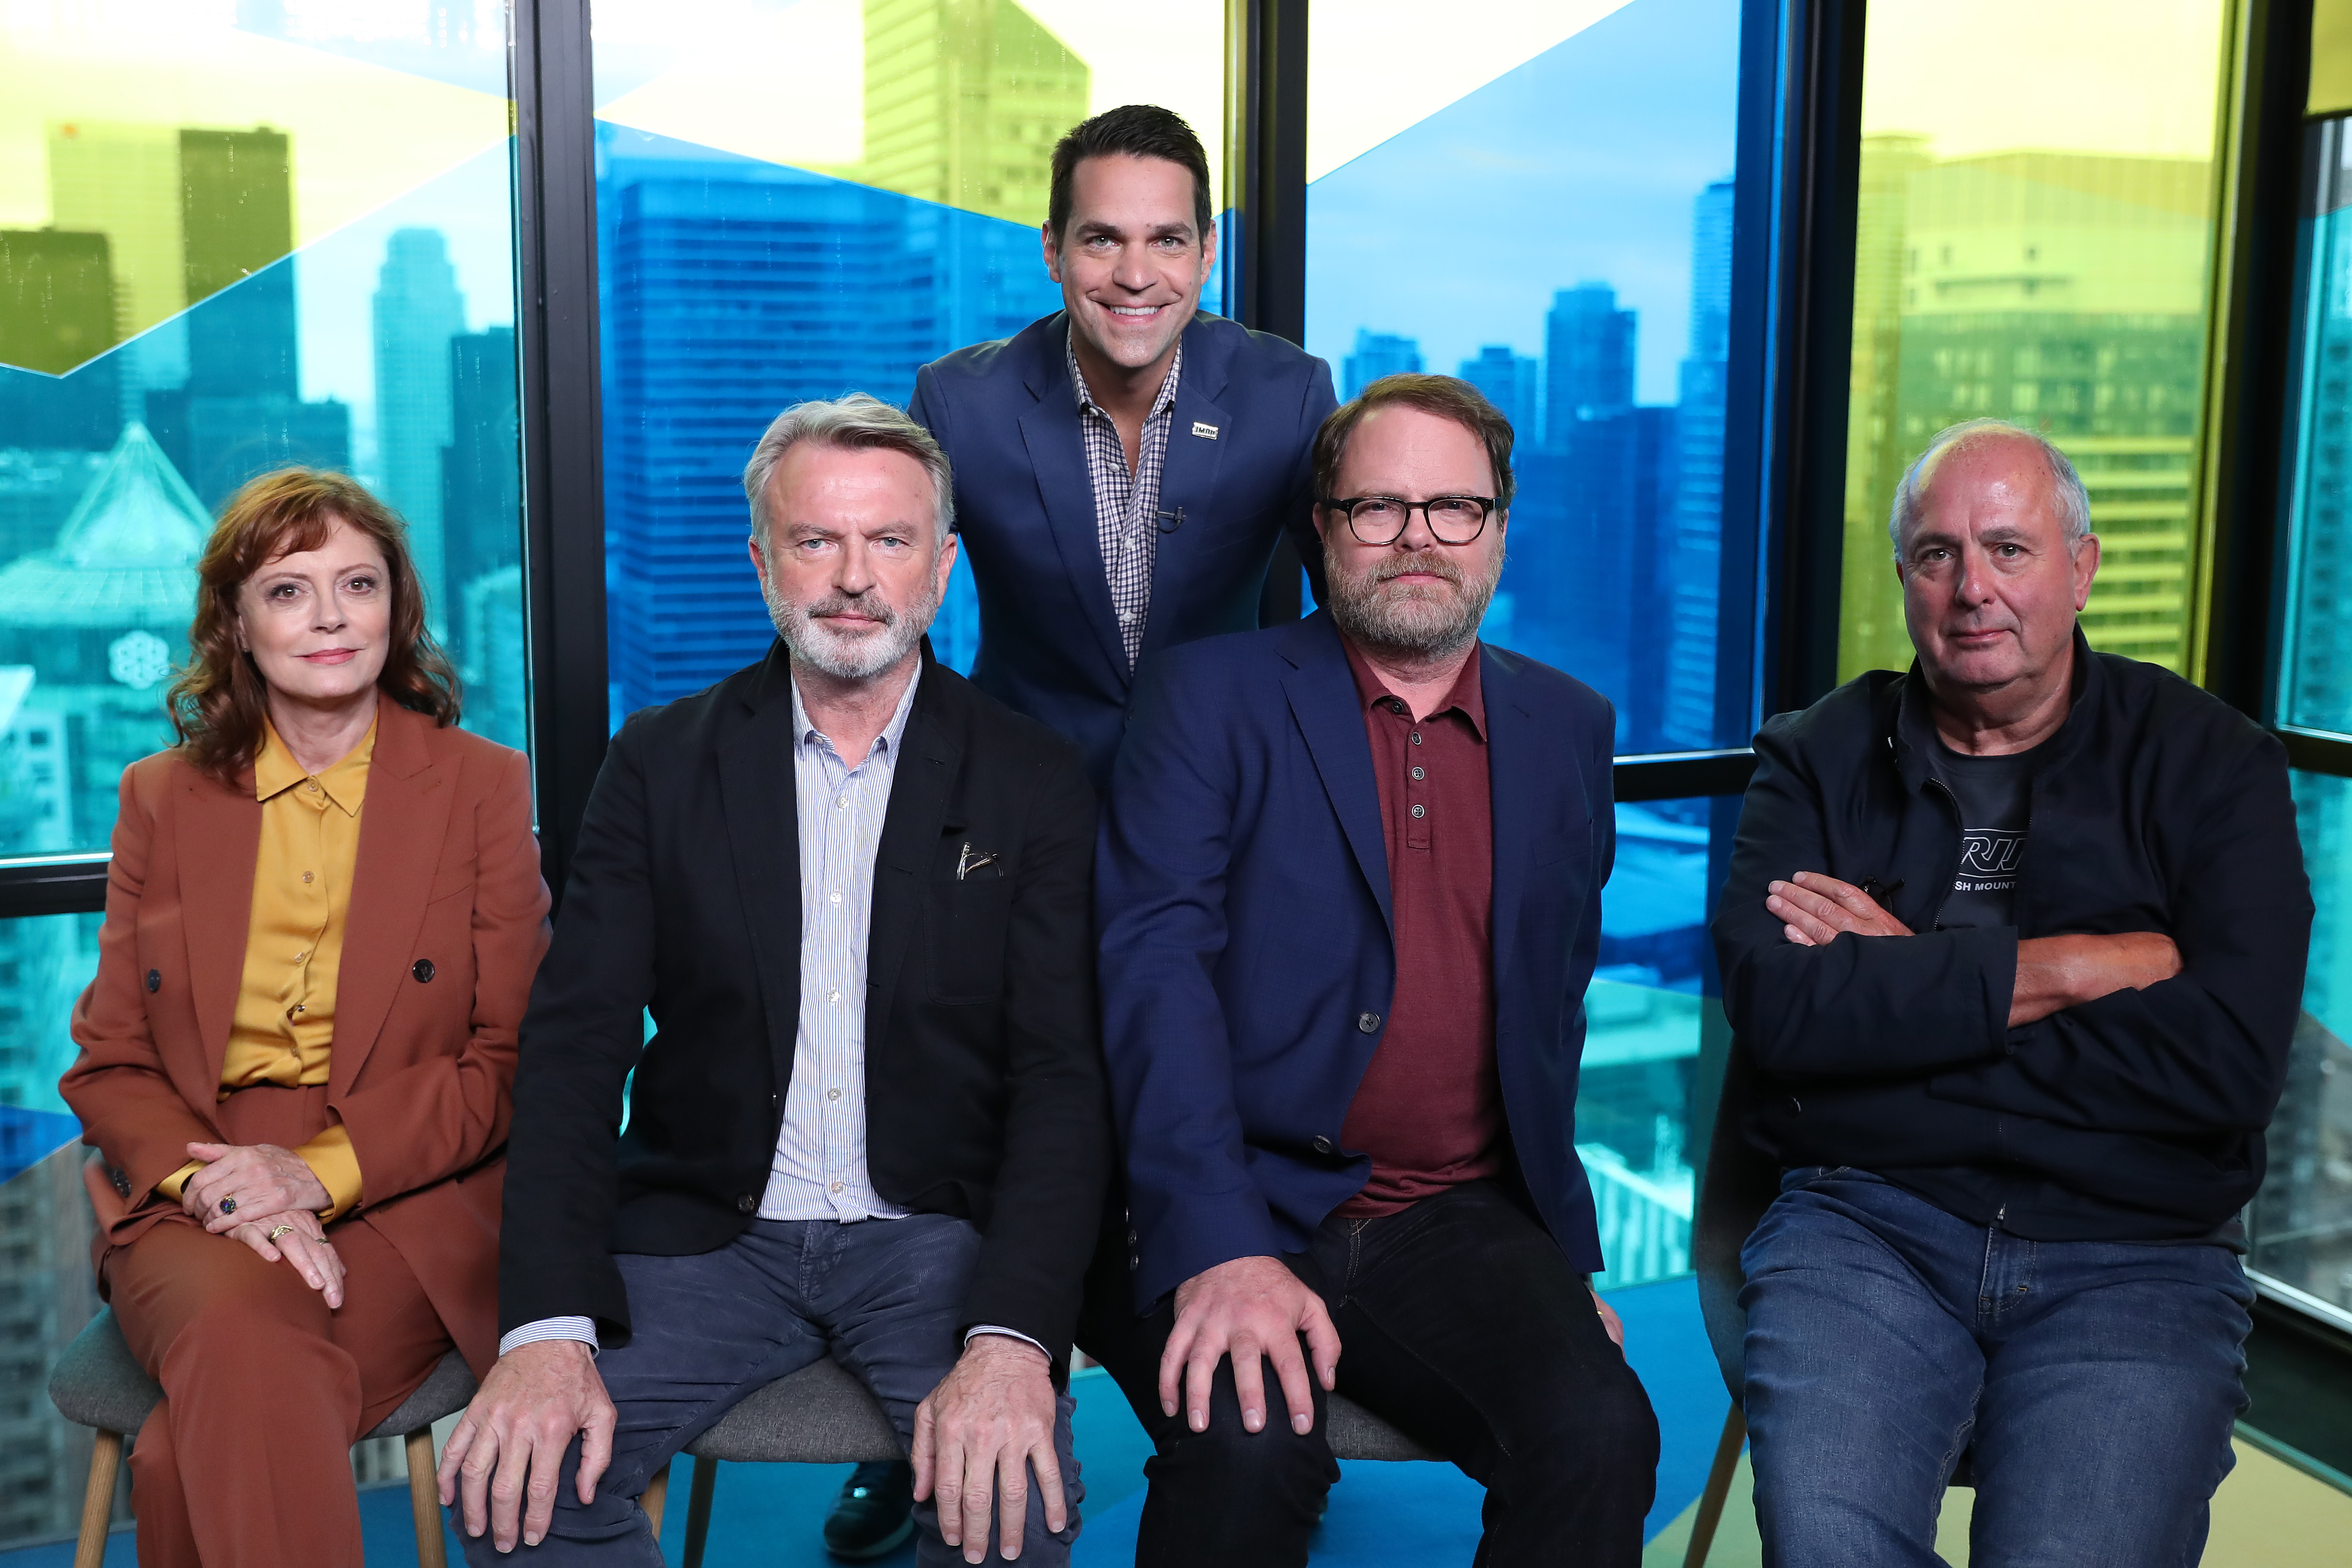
[323,918]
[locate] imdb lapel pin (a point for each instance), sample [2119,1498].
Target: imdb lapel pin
[1203,429]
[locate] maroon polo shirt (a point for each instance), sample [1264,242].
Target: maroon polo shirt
[1430,1108]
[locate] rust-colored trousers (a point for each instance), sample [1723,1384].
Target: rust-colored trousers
[246,1461]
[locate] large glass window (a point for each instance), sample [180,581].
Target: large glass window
[756,249]
[1540,202]
[2034,244]
[229,244]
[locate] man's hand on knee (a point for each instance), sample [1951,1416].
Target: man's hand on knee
[990,1417]
[509,1447]
[1250,1308]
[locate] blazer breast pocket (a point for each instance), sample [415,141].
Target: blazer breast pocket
[970,915]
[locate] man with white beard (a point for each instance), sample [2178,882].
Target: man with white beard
[854,893]
[1349,891]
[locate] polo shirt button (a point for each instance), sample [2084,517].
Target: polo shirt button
[1417,773]
[747,1203]
[1322,1145]
[1419,811]
[1368,1023]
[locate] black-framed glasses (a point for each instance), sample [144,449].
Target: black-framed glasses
[1381,520]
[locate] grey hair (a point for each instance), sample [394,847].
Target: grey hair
[2073,501]
[855,423]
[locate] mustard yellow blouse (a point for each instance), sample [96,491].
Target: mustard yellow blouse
[284,1028]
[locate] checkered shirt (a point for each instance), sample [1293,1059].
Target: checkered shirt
[1127,505]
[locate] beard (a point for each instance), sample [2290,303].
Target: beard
[851,656]
[1423,620]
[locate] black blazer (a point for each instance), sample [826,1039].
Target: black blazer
[1239,471]
[984,1070]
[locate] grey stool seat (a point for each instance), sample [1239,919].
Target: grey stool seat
[99,1382]
[822,1414]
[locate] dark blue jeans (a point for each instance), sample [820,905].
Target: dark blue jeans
[881,1296]
[2095,1384]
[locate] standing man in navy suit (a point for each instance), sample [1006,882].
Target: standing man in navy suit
[1349,895]
[1125,467]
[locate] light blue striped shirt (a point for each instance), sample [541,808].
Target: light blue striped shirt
[819,1166]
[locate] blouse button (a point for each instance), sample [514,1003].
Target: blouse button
[305,876]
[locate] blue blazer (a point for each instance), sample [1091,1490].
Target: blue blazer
[1241,888]
[1239,469]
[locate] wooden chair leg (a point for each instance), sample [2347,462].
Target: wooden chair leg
[98,1499]
[655,1494]
[1719,1487]
[425,1500]
[698,1510]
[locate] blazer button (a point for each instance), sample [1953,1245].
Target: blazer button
[422,969]
[1322,1145]
[1369,1023]
[747,1203]
[155,981]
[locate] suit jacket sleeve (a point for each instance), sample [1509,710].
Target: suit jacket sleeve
[1860,1007]
[581,1037]
[447,1113]
[927,408]
[1166,842]
[2204,1052]
[1318,405]
[1057,1142]
[128,1107]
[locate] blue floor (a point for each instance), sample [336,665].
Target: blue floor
[1383,1516]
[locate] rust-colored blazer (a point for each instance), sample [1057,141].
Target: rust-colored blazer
[447,924]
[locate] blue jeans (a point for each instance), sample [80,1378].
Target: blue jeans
[2095,1381]
[882,1297]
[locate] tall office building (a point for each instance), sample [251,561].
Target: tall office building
[123,181]
[240,412]
[1378,354]
[56,317]
[1513,383]
[1697,563]
[964,101]
[734,290]
[2063,291]
[481,513]
[417,312]
[1870,611]
[1588,359]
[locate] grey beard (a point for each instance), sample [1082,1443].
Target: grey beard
[1417,622]
[844,657]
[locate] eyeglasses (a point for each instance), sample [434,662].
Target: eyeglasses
[1381,520]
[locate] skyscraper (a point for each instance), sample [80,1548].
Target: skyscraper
[1588,359]
[417,312]
[123,181]
[964,101]
[482,535]
[1378,354]
[1513,383]
[734,290]
[57,315]
[240,412]
[1697,561]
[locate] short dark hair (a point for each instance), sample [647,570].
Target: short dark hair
[1448,397]
[1138,129]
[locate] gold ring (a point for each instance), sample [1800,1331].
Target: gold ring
[278,1232]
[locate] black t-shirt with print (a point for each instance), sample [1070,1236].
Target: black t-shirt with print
[1995,798]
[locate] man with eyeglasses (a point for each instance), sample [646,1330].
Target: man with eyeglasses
[1125,466]
[1349,895]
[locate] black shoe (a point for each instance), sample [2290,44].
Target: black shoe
[874,1511]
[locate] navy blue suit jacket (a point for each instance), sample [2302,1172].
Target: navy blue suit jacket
[1241,888]
[1239,469]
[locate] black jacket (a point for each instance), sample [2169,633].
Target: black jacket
[2136,1117]
[983,1067]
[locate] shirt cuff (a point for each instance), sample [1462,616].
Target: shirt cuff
[1008,1333]
[176,1183]
[581,1328]
[331,1159]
